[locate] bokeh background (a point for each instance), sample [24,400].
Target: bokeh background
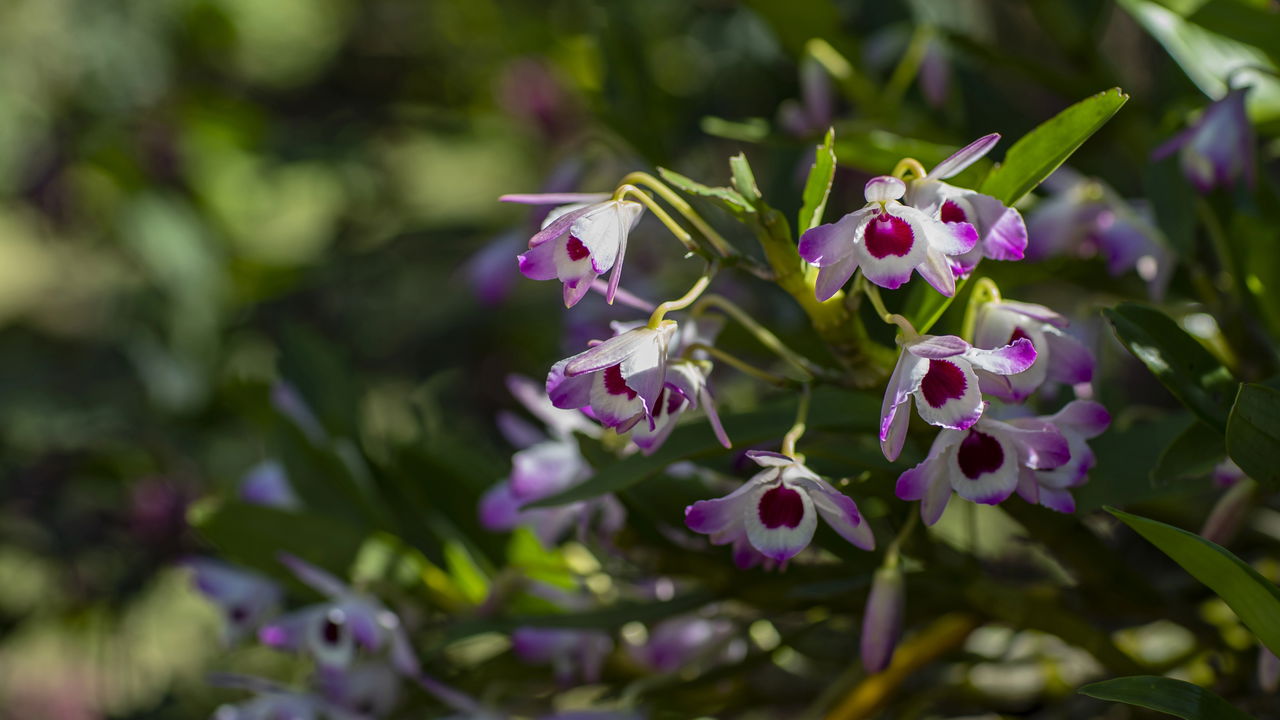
[202,198]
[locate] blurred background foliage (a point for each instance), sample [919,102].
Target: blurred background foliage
[204,200]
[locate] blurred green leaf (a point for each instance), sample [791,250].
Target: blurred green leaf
[797,21]
[877,151]
[926,305]
[1127,455]
[818,186]
[695,441]
[727,198]
[1193,453]
[1254,599]
[255,535]
[744,180]
[609,618]
[1249,24]
[1179,362]
[1253,433]
[1173,201]
[1038,153]
[1166,695]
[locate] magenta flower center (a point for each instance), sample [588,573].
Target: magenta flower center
[1019,334]
[944,381]
[781,506]
[615,385]
[951,212]
[979,453]
[888,235]
[576,249]
[674,401]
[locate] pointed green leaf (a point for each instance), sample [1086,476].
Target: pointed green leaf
[1038,153]
[1179,362]
[743,179]
[1254,599]
[1166,695]
[1253,433]
[727,198]
[818,186]
[1193,453]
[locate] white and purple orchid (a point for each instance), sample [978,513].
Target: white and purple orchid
[246,599]
[1218,147]
[1059,357]
[619,380]
[778,509]
[1002,235]
[686,388]
[982,464]
[938,371]
[334,632]
[1078,421]
[583,238]
[546,465]
[888,241]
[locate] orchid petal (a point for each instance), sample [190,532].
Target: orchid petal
[964,157]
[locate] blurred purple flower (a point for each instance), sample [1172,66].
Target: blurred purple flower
[1229,513]
[1002,235]
[1079,421]
[1218,147]
[287,401]
[1059,357]
[572,653]
[813,113]
[778,510]
[1227,473]
[938,371]
[267,484]
[888,240]
[1268,670]
[366,689]
[246,599]
[882,619]
[935,73]
[676,642]
[982,464]
[529,90]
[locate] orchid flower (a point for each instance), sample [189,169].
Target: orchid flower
[982,464]
[367,689]
[274,701]
[1080,420]
[1002,235]
[571,652]
[334,631]
[888,240]
[579,241]
[939,373]
[778,510]
[677,642]
[1218,147]
[245,598]
[882,619]
[686,388]
[619,380]
[1059,357]
[543,467]
[267,484]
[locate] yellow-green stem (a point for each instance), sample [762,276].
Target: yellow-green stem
[873,294]
[984,292]
[738,364]
[718,243]
[683,301]
[905,164]
[681,234]
[762,334]
[798,427]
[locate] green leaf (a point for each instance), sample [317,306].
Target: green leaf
[1179,362]
[1253,598]
[743,179]
[1193,453]
[818,186]
[1209,58]
[877,151]
[829,408]
[1256,26]
[1166,695]
[255,535]
[609,618]
[1038,153]
[727,198]
[1253,433]
[925,305]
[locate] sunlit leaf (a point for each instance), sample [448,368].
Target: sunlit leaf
[1254,599]
[1253,433]
[1184,366]
[818,186]
[727,198]
[1166,695]
[1038,153]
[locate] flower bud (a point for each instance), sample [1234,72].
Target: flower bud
[1268,670]
[882,621]
[1229,513]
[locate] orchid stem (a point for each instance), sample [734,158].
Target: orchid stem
[681,234]
[684,301]
[762,334]
[985,292]
[738,364]
[718,243]
[873,294]
[905,164]
[798,427]
[891,555]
